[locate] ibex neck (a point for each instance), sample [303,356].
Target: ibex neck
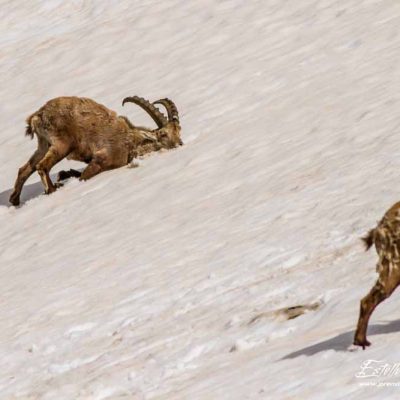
[141,142]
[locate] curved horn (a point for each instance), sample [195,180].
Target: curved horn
[158,117]
[173,115]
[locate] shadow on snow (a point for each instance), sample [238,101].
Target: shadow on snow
[28,192]
[344,340]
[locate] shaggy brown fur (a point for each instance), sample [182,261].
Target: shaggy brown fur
[83,130]
[386,238]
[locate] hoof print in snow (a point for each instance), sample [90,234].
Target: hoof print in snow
[352,348]
[260,316]
[33,349]
[286,313]
[296,311]
[133,164]
[243,344]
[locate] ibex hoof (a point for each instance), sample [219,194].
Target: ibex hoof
[50,189]
[363,343]
[14,199]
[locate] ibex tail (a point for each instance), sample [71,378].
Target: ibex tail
[369,239]
[30,125]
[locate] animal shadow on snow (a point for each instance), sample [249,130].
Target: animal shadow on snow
[341,342]
[28,192]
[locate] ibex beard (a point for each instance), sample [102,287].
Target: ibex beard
[80,129]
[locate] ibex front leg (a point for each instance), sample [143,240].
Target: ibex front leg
[100,162]
[27,170]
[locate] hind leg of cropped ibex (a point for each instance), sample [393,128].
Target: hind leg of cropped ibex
[52,157]
[27,170]
[383,288]
[368,304]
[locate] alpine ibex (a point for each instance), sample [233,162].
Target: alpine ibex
[81,129]
[386,238]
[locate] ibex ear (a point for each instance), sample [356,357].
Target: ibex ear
[148,136]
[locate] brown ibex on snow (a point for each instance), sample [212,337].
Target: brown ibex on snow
[81,129]
[386,238]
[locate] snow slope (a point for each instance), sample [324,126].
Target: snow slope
[161,282]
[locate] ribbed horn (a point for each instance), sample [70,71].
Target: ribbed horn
[157,116]
[173,115]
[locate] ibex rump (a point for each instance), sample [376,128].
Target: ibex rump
[386,238]
[83,130]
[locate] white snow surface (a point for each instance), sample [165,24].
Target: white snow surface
[160,282]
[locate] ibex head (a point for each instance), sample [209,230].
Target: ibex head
[171,133]
[168,132]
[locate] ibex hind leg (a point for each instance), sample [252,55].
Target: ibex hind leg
[389,280]
[368,304]
[55,154]
[27,170]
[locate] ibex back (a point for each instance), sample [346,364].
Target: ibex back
[83,130]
